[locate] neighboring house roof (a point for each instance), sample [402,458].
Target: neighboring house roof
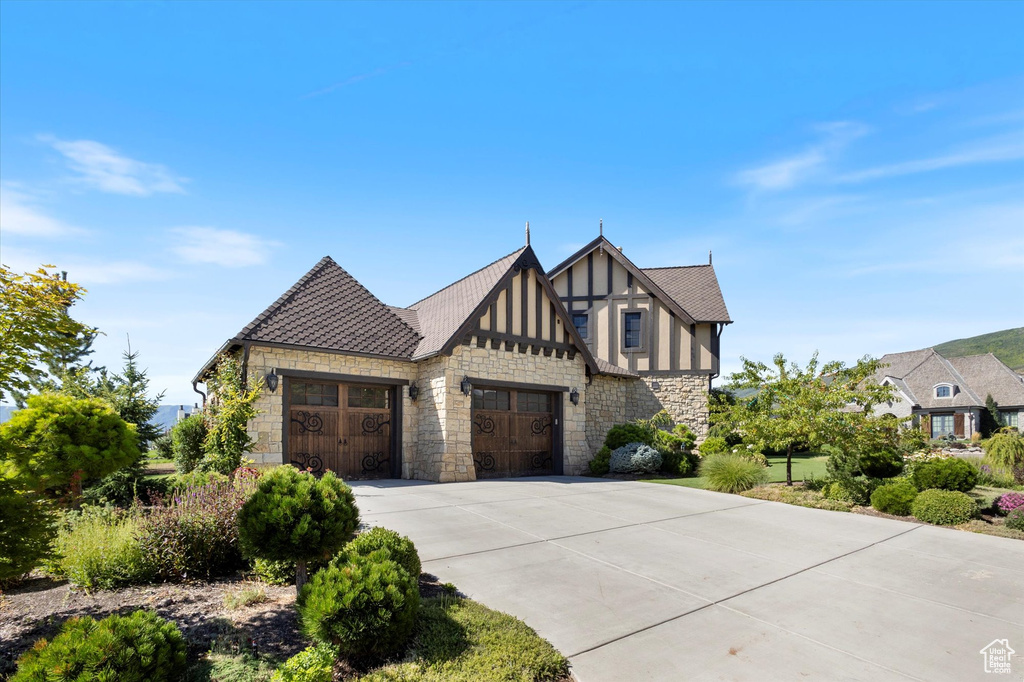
[987,374]
[441,314]
[917,373]
[671,288]
[695,288]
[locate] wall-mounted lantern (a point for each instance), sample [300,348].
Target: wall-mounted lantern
[414,391]
[271,380]
[466,386]
[574,396]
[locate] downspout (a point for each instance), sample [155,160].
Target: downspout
[718,349]
[245,364]
[194,388]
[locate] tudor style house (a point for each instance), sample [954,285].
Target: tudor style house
[509,371]
[950,392]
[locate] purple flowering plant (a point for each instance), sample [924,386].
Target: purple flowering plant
[1010,501]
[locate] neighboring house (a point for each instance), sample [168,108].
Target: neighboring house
[490,376]
[952,392]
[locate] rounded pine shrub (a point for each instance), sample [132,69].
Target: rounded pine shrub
[894,498]
[294,516]
[141,647]
[713,445]
[313,664]
[881,464]
[599,465]
[401,549]
[944,507]
[1015,519]
[366,606]
[729,473]
[634,458]
[624,434]
[948,473]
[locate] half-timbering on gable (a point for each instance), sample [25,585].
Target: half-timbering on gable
[509,371]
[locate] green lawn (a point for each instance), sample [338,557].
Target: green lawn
[805,465]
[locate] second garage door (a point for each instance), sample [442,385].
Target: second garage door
[513,432]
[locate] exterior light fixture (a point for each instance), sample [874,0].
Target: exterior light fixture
[466,386]
[272,380]
[414,391]
[574,397]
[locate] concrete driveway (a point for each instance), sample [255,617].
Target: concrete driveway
[640,581]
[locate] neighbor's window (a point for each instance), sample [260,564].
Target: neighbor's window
[632,330]
[942,391]
[1007,418]
[533,402]
[579,320]
[942,425]
[314,394]
[489,399]
[368,396]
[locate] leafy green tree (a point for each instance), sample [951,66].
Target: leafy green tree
[293,516]
[26,530]
[228,415]
[57,441]
[35,328]
[795,408]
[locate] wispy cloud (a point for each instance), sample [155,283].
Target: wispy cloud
[794,170]
[84,270]
[228,248]
[101,167]
[1004,148]
[20,214]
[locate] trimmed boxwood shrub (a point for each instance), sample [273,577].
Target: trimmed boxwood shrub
[141,647]
[881,464]
[1015,519]
[894,498]
[402,550]
[944,507]
[599,465]
[366,606]
[729,473]
[950,473]
[635,458]
[624,434]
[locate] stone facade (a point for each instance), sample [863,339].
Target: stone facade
[437,427]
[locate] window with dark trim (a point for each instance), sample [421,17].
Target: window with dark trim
[632,330]
[368,396]
[942,425]
[490,399]
[314,394]
[533,402]
[943,391]
[579,320]
[1008,418]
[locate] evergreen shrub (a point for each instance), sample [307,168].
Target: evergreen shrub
[624,434]
[881,464]
[402,550]
[599,464]
[634,458]
[944,507]
[894,498]
[950,473]
[187,438]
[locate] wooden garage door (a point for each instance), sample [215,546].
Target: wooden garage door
[344,428]
[513,432]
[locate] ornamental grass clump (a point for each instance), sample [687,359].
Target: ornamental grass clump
[1009,501]
[365,606]
[194,533]
[99,548]
[729,473]
[634,458]
[294,516]
[141,647]
[944,507]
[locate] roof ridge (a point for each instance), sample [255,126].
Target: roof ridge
[285,297]
[680,267]
[445,288]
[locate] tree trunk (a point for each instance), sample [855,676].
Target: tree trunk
[300,576]
[789,465]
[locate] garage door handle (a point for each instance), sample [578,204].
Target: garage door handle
[343,441]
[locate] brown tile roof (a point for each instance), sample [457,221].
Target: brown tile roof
[695,288]
[606,367]
[987,374]
[327,308]
[441,314]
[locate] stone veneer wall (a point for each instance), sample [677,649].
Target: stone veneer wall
[502,365]
[607,401]
[266,427]
[684,396]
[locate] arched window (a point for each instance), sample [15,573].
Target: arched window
[943,391]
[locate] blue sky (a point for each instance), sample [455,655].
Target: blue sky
[858,169]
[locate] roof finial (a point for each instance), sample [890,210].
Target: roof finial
[709,256]
[600,227]
[527,232]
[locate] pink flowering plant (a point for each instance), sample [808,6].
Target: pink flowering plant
[1010,501]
